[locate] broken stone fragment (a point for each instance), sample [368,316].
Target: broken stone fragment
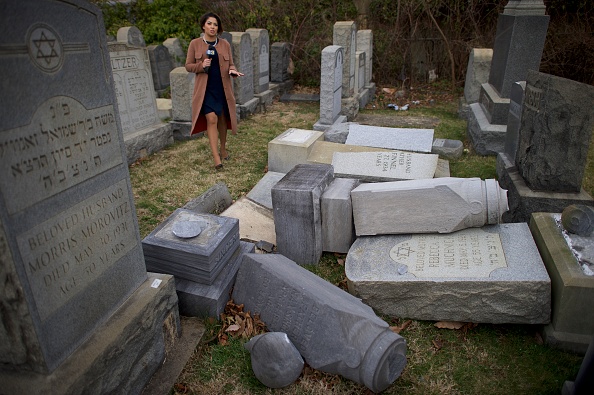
[333,330]
[275,360]
[578,219]
[438,205]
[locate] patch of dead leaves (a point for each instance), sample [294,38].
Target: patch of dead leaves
[237,323]
[399,328]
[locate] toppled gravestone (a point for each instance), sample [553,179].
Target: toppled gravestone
[334,331]
[437,205]
[275,360]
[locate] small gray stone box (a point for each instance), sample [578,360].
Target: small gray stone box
[198,258]
[333,331]
[201,300]
[297,212]
[492,274]
[416,140]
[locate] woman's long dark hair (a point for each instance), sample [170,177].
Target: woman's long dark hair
[204,17]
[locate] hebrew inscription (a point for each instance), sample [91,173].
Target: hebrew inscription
[63,145]
[467,253]
[67,252]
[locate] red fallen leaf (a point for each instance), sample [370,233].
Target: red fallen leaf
[400,328]
[180,387]
[389,91]
[449,324]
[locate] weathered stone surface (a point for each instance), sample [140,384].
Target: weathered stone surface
[280,58]
[331,84]
[256,222]
[297,212]
[442,169]
[514,118]
[323,151]
[199,256]
[438,205]
[492,274]
[201,300]
[486,138]
[69,241]
[308,309]
[108,361]
[260,193]
[243,87]
[131,35]
[557,122]
[215,200]
[384,166]
[345,36]
[365,44]
[337,133]
[578,219]
[182,86]
[275,360]
[572,320]
[416,140]
[161,66]
[176,51]
[523,201]
[290,148]
[260,58]
[337,215]
[447,148]
[477,73]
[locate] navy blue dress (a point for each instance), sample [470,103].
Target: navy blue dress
[214,97]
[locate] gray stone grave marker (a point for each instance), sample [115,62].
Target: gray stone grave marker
[71,262]
[477,73]
[280,57]
[297,212]
[365,44]
[492,274]
[416,140]
[384,166]
[338,232]
[242,56]
[174,46]
[557,121]
[161,65]
[331,85]
[308,309]
[260,59]
[131,35]
[345,35]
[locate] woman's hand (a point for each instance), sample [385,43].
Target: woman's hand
[206,62]
[235,73]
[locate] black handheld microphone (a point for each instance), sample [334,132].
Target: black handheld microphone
[210,52]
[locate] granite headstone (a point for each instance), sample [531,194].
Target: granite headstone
[345,36]
[416,140]
[161,66]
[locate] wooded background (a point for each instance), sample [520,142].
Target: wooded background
[410,37]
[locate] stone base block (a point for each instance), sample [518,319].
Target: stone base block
[463,108]
[181,131]
[349,107]
[572,319]
[256,222]
[201,300]
[147,141]
[264,100]
[371,88]
[280,88]
[122,354]
[290,148]
[492,274]
[486,138]
[364,98]
[215,200]
[248,108]
[164,109]
[523,201]
[495,107]
[322,127]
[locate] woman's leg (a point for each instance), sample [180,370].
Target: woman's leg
[222,128]
[213,135]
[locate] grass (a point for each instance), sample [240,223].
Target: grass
[485,359]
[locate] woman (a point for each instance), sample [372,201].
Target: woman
[213,102]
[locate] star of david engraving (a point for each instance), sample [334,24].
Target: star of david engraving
[404,252]
[45,48]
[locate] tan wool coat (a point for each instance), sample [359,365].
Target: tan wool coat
[196,54]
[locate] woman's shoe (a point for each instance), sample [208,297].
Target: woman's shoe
[227,158]
[219,166]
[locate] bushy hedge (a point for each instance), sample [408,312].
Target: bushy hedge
[408,34]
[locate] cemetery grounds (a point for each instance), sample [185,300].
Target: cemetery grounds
[459,358]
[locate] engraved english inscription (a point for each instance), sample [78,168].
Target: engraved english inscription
[533,97]
[466,253]
[64,144]
[67,252]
